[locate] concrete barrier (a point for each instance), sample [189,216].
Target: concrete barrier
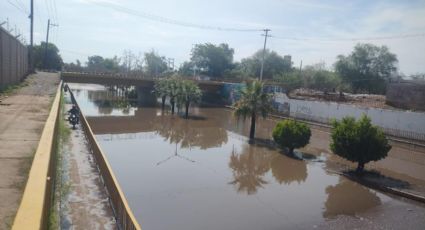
[33,212]
[122,212]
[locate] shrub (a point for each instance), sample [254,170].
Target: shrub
[291,134]
[358,141]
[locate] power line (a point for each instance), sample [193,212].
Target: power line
[161,19]
[392,37]
[17,7]
[22,5]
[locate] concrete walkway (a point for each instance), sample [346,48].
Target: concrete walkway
[84,203]
[22,118]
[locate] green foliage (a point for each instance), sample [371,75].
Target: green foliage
[290,80]
[155,64]
[178,90]
[274,64]
[50,60]
[99,64]
[187,69]
[367,68]
[291,134]
[358,141]
[212,59]
[254,102]
[189,92]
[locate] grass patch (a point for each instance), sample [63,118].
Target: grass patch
[61,188]
[8,90]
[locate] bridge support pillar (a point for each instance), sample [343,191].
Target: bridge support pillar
[145,96]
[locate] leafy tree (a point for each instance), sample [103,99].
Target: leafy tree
[95,63]
[189,92]
[290,80]
[291,134]
[155,64]
[367,68]
[187,68]
[49,60]
[161,90]
[212,59]
[100,64]
[358,141]
[253,103]
[274,64]
[173,90]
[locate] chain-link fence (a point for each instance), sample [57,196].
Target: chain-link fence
[13,59]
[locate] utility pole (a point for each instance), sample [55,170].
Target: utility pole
[171,63]
[264,52]
[30,53]
[47,42]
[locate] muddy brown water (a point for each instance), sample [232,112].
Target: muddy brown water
[201,173]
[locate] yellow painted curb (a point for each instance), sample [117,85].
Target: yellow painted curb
[33,212]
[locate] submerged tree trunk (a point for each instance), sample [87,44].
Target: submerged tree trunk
[163,103]
[252,131]
[360,167]
[187,110]
[291,151]
[172,105]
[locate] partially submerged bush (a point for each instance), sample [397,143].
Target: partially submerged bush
[291,134]
[358,141]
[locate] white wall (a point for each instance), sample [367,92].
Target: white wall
[399,123]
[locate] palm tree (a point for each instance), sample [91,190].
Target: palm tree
[189,93]
[253,102]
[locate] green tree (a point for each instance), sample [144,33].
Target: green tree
[99,64]
[358,141]
[155,64]
[49,60]
[173,90]
[212,59]
[186,69]
[189,92]
[274,64]
[290,80]
[291,134]
[161,90]
[367,68]
[253,103]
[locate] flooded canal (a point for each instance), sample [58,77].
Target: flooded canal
[201,173]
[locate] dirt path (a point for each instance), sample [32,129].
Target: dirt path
[84,203]
[22,118]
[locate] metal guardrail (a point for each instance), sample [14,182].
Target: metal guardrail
[122,212]
[138,76]
[34,210]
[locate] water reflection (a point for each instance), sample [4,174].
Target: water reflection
[206,166]
[249,168]
[114,98]
[202,133]
[348,198]
[287,170]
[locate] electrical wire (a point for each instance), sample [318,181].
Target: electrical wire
[22,5]
[392,37]
[17,7]
[208,27]
[161,19]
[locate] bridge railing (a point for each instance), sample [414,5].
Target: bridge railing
[140,76]
[122,212]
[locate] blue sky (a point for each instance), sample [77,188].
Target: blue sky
[88,27]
